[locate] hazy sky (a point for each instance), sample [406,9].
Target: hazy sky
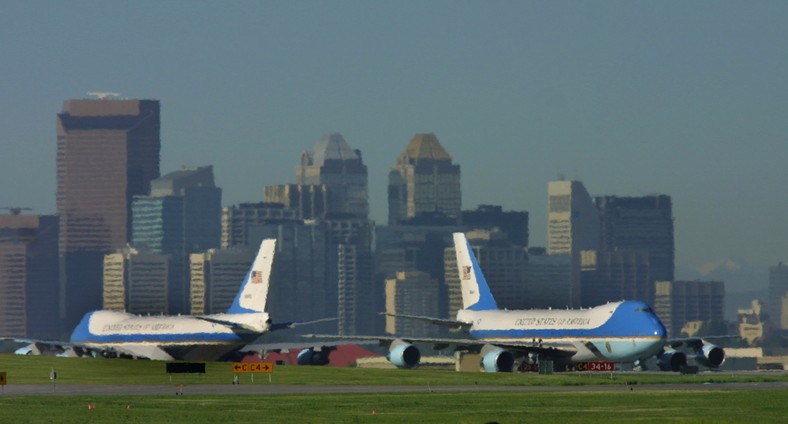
[688,99]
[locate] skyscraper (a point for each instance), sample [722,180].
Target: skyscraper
[643,224]
[573,226]
[28,276]
[107,153]
[573,220]
[778,288]
[181,216]
[136,282]
[332,162]
[424,181]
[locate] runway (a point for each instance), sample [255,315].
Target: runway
[273,389]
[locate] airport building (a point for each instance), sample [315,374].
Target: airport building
[29,276]
[107,153]
[679,302]
[424,181]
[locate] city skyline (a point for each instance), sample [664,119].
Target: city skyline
[629,98]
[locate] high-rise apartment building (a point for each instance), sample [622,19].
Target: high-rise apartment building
[678,302]
[181,216]
[643,224]
[333,163]
[778,288]
[29,276]
[107,153]
[424,181]
[573,226]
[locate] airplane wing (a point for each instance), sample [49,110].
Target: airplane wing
[453,324]
[697,342]
[470,345]
[148,351]
[294,324]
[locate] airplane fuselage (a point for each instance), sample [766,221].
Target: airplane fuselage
[618,332]
[180,336]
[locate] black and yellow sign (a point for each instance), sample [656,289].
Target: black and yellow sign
[3,379]
[247,367]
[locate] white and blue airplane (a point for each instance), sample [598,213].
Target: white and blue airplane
[626,331]
[186,337]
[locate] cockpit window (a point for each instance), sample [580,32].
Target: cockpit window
[646,309]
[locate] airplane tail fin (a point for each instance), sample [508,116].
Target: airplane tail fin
[476,293]
[253,294]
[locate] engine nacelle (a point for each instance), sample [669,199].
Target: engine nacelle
[710,355]
[495,359]
[671,360]
[312,357]
[403,354]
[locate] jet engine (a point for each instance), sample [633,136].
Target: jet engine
[310,356]
[495,359]
[403,354]
[671,360]
[710,355]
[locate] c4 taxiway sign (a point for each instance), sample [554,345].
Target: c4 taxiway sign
[247,367]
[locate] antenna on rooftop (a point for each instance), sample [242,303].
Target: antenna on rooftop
[102,95]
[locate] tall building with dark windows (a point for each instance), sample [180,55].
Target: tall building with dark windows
[107,153]
[778,294]
[424,182]
[333,163]
[640,224]
[181,216]
[29,276]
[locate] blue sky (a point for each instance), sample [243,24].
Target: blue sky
[683,98]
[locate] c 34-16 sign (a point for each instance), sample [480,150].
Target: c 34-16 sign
[596,366]
[247,367]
